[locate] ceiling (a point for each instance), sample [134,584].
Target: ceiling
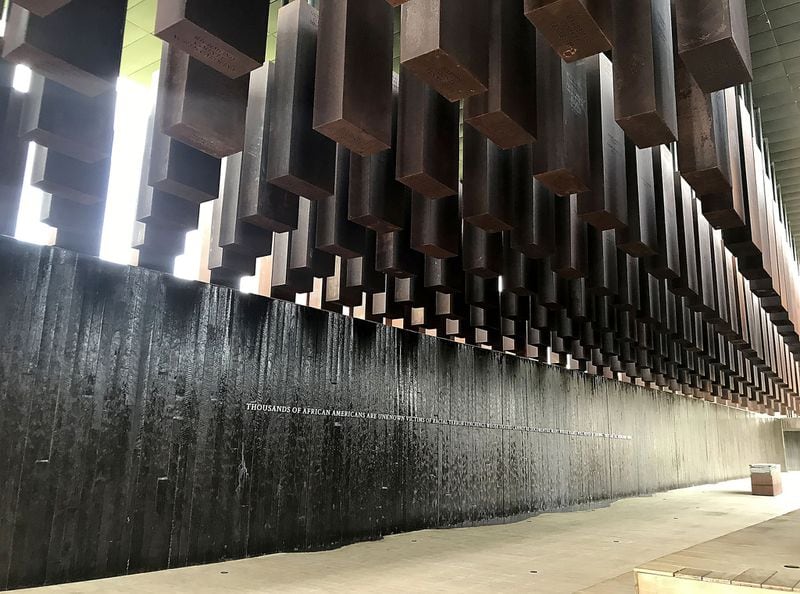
[775,45]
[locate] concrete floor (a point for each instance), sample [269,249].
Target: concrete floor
[591,551]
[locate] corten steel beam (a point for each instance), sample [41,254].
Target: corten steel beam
[702,136]
[394,255]
[575,29]
[640,237]
[305,261]
[744,241]
[605,205]
[85,183]
[518,272]
[482,251]
[301,160]
[571,255]
[377,200]
[534,224]
[63,213]
[481,292]
[236,235]
[506,113]
[486,189]
[160,208]
[445,43]
[14,151]
[427,139]
[666,263]
[714,42]
[445,275]
[602,263]
[175,167]
[561,153]
[163,239]
[644,77]
[68,122]
[353,83]
[230,37]
[48,45]
[336,234]
[260,203]
[435,226]
[85,241]
[707,304]
[167,210]
[688,283]
[40,8]
[201,107]
[728,210]
[282,284]
[360,272]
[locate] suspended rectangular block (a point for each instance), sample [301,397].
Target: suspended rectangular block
[561,152]
[486,187]
[506,113]
[353,85]
[305,261]
[604,206]
[687,284]
[86,183]
[361,273]
[519,272]
[301,160]
[534,224]
[427,139]
[83,241]
[666,263]
[40,8]
[156,260]
[14,153]
[644,77]
[445,275]
[571,255]
[640,237]
[234,234]
[707,304]
[66,214]
[575,29]
[260,203]
[482,252]
[201,107]
[336,290]
[282,285]
[180,170]
[377,200]
[49,44]
[714,42]
[435,226]
[166,210]
[68,122]
[162,239]
[394,255]
[702,136]
[336,234]
[602,275]
[230,37]
[727,209]
[445,43]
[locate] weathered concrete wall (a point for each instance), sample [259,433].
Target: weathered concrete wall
[126,442]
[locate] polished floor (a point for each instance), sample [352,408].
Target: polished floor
[592,551]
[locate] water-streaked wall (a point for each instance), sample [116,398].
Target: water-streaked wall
[127,443]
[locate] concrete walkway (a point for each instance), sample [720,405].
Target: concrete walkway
[552,553]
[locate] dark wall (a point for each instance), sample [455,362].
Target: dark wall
[791,440]
[126,443]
